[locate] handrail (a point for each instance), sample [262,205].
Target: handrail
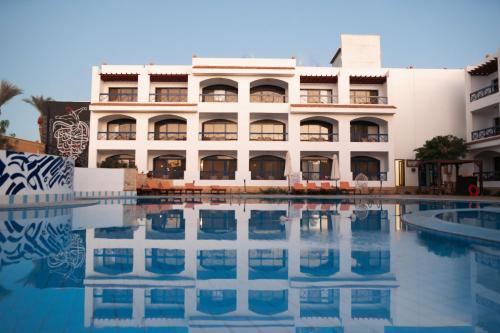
[166,97]
[483,92]
[120,97]
[368,100]
[319,137]
[267,98]
[218,136]
[115,135]
[177,174]
[167,136]
[485,133]
[376,137]
[319,99]
[268,136]
[217,175]
[227,97]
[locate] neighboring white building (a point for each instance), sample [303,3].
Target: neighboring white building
[483,116]
[232,121]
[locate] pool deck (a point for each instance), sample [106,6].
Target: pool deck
[41,205]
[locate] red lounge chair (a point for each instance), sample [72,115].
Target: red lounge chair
[153,185]
[298,188]
[216,189]
[167,187]
[312,188]
[190,188]
[326,187]
[346,188]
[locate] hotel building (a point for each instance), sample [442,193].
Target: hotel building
[232,122]
[483,117]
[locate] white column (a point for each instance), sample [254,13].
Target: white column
[141,143]
[92,161]
[96,85]
[343,87]
[143,86]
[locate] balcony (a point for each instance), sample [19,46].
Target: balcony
[115,135]
[483,92]
[485,133]
[368,100]
[267,98]
[268,136]
[118,97]
[319,137]
[167,136]
[168,98]
[218,174]
[376,137]
[227,97]
[319,99]
[218,136]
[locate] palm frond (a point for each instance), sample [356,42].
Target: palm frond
[38,102]
[8,91]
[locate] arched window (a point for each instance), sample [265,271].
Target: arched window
[268,302]
[316,168]
[165,261]
[121,129]
[219,130]
[268,264]
[267,94]
[316,130]
[119,161]
[365,131]
[367,165]
[267,167]
[170,129]
[220,93]
[169,166]
[267,130]
[218,167]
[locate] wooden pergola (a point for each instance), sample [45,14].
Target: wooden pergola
[438,164]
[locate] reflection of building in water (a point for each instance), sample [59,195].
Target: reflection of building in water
[209,266]
[280,267]
[485,280]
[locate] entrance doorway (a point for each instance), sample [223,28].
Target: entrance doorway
[399,167]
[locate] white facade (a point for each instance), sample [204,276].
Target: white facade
[483,116]
[371,117]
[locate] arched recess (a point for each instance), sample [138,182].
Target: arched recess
[170,128]
[267,167]
[319,129]
[219,90]
[369,129]
[268,91]
[219,167]
[116,127]
[267,130]
[367,165]
[219,130]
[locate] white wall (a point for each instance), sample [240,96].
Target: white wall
[99,179]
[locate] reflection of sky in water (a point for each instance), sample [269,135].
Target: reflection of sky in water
[301,266]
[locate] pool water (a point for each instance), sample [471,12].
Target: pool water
[235,265]
[473,217]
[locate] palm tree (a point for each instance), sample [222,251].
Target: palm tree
[8,91]
[40,103]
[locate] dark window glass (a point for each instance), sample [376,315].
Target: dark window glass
[169,167]
[122,94]
[220,93]
[314,130]
[170,129]
[171,95]
[219,130]
[367,165]
[267,130]
[218,167]
[267,94]
[316,168]
[364,131]
[364,96]
[267,168]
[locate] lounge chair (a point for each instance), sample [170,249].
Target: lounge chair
[190,188]
[312,188]
[298,188]
[144,189]
[327,188]
[346,188]
[167,188]
[153,185]
[216,189]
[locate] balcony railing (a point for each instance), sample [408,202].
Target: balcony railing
[215,175]
[218,136]
[489,176]
[368,100]
[267,98]
[264,136]
[168,98]
[485,133]
[483,92]
[377,137]
[167,136]
[319,99]
[172,174]
[118,97]
[319,137]
[115,135]
[314,175]
[221,98]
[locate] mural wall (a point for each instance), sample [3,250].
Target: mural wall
[35,177]
[67,130]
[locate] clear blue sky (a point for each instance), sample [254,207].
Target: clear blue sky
[48,47]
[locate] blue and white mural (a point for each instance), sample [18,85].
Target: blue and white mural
[31,174]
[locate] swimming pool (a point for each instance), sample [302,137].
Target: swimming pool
[242,265]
